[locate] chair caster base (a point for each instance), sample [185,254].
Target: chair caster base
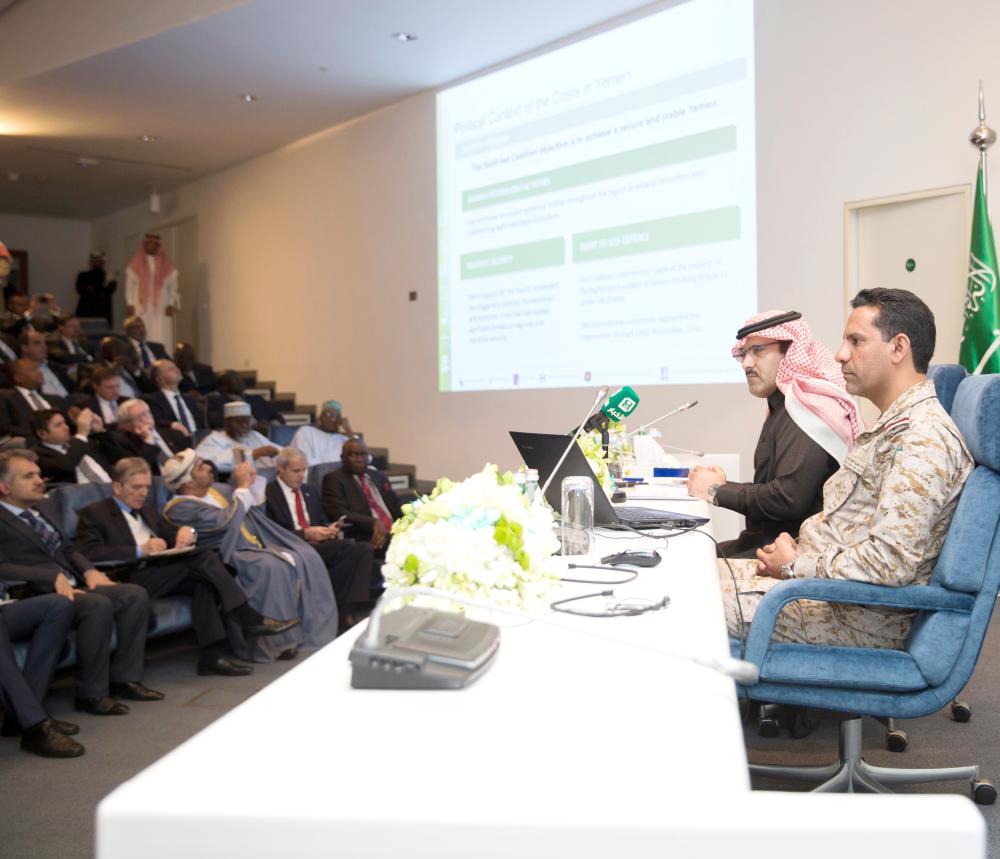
[983,792]
[960,711]
[896,741]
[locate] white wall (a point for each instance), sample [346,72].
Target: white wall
[57,249]
[308,252]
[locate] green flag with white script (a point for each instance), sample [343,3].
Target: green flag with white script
[980,349]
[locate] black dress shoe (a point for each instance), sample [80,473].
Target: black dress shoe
[135,691]
[223,666]
[287,655]
[43,739]
[270,626]
[103,706]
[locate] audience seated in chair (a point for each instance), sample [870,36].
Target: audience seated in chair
[323,442]
[128,528]
[363,495]
[196,378]
[144,351]
[136,435]
[67,457]
[171,409]
[19,403]
[67,350]
[218,446]
[106,382]
[116,354]
[55,382]
[39,312]
[36,552]
[281,574]
[296,506]
[232,389]
[43,621]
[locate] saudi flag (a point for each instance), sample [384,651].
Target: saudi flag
[980,349]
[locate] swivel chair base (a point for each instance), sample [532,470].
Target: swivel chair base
[852,774]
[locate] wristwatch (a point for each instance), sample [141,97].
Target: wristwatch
[788,570]
[713,490]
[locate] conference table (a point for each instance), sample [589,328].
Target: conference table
[587,737]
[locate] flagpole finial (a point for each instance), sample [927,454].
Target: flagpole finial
[982,136]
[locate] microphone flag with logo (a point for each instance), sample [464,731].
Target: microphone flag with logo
[620,404]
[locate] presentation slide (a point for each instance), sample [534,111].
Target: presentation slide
[597,209]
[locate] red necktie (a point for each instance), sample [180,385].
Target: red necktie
[373,503]
[300,510]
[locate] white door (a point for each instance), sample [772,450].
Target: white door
[920,243]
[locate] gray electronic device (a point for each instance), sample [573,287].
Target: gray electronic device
[421,648]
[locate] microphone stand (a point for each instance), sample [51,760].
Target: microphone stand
[601,394]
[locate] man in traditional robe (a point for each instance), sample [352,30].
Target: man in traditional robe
[324,442]
[811,424]
[151,289]
[219,446]
[281,574]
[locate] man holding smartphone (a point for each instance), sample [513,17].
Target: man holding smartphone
[293,504]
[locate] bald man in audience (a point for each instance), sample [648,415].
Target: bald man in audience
[323,442]
[18,404]
[235,440]
[170,408]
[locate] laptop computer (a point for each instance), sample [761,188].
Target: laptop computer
[541,451]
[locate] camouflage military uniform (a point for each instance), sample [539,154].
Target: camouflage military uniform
[884,519]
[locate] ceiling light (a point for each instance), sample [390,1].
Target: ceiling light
[247,97]
[146,138]
[403,36]
[85,162]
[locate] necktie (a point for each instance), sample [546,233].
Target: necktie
[37,403]
[373,503]
[183,413]
[144,351]
[300,510]
[49,537]
[87,470]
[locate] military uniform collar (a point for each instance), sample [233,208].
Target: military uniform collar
[924,390]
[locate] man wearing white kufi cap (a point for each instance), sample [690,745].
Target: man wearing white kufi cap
[279,572]
[218,447]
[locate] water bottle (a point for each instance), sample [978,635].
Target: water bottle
[577,515]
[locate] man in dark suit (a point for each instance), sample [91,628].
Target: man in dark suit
[295,505]
[196,377]
[118,355]
[67,458]
[137,435]
[127,528]
[35,551]
[67,350]
[171,409]
[43,621]
[231,390]
[363,495]
[144,350]
[95,290]
[107,397]
[19,403]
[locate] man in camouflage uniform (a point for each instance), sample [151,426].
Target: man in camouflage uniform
[887,509]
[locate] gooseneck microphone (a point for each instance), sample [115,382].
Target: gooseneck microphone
[601,394]
[682,408]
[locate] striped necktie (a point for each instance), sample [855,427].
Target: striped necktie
[48,535]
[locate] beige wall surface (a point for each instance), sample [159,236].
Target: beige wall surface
[57,249]
[307,254]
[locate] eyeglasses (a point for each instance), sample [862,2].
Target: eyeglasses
[754,351]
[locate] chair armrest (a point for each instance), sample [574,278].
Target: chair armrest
[914,597]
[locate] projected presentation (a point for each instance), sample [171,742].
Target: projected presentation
[597,209]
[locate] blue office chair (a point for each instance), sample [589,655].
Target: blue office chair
[943,645]
[946,379]
[282,434]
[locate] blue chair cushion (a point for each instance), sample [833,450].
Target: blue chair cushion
[963,562]
[946,379]
[842,668]
[935,641]
[976,411]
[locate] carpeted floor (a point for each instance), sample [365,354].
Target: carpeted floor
[47,807]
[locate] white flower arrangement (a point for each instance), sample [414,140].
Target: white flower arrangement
[590,444]
[480,538]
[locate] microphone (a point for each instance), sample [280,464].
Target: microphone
[683,408]
[738,669]
[601,394]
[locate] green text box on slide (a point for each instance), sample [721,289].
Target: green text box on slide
[696,228]
[688,148]
[540,254]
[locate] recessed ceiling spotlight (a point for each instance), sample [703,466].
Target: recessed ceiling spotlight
[323,69]
[403,36]
[85,161]
[146,138]
[247,97]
